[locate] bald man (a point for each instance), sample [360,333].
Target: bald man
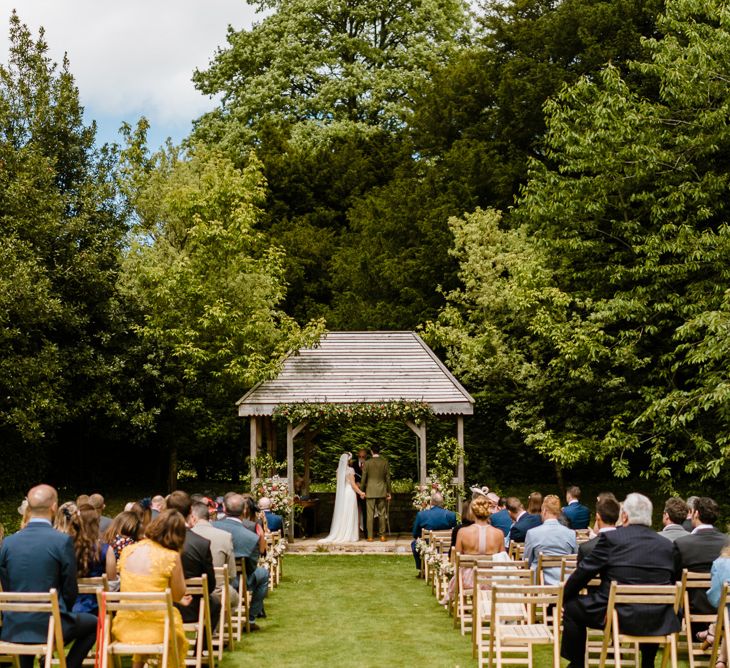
[36,559]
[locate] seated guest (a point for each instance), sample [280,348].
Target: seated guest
[252,521]
[82,499]
[93,558]
[157,505]
[125,529]
[551,538]
[196,560]
[522,521]
[143,509]
[607,514]
[64,516]
[635,554]
[675,512]
[467,519]
[97,501]
[501,519]
[434,518]
[699,549]
[246,547]
[720,576]
[154,565]
[221,547]
[37,559]
[577,514]
[687,524]
[273,521]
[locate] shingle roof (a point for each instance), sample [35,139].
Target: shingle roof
[362,367]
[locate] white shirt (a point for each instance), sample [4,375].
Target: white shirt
[702,527]
[604,529]
[572,501]
[524,512]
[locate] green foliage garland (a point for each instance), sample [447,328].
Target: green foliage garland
[417,411]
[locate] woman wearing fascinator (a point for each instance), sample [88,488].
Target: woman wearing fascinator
[345,522]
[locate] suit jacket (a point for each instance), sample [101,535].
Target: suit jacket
[519,529]
[673,531]
[245,542]
[221,549]
[633,554]
[550,537]
[104,523]
[502,521]
[578,515]
[696,552]
[37,559]
[274,521]
[434,519]
[376,478]
[197,560]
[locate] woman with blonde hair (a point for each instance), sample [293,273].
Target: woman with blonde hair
[64,516]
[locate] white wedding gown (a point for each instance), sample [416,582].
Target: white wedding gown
[344,528]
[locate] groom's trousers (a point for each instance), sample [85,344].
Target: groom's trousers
[382,508]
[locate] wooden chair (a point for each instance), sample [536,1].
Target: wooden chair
[511,634]
[639,595]
[43,603]
[241,615]
[114,602]
[567,567]
[224,634]
[273,538]
[582,536]
[439,583]
[201,631]
[463,596]
[692,582]
[92,585]
[722,627]
[516,550]
[559,562]
[486,576]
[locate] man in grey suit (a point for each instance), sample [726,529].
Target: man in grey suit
[675,510]
[376,485]
[221,547]
[550,538]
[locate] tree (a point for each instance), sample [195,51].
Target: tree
[61,232]
[205,288]
[626,220]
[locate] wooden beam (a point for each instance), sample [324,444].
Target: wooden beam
[290,472]
[460,463]
[253,443]
[424,470]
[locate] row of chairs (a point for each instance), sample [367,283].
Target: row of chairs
[206,644]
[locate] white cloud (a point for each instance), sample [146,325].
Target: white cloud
[134,57]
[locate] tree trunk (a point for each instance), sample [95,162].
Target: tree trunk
[559,477]
[172,470]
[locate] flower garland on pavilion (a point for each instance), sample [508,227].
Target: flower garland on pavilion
[324,413]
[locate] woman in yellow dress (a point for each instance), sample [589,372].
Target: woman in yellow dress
[153,564]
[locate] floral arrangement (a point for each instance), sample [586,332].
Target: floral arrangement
[276,488]
[417,411]
[422,493]
[273,555]
[441,476]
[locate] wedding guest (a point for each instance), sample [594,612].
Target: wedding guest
[154,565]
[697,551]
[81,500]
[577,514]
[64,517]
[97,501]
[125,529]
[720,575]
[634,555]
[433,518]
[93,557]
[550,538]
[157,504]
[38,559]
[501,519]
[143,510]
[196,559]
[599,498]
[467,519]
[221,547]
[522,521]
[675,512]
[607,514]
[273,521]
[534,503]
[687,524]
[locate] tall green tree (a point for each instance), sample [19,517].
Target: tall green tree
[621,357]
[61,230]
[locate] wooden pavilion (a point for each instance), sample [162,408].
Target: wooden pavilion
[356,368]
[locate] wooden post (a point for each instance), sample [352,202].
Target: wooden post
[460,463]
[307,457]
[424,468]
[253,444]
[290,472]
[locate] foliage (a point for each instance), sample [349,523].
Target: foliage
[320,414]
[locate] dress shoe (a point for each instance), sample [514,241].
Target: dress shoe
[255,627]
[383,539]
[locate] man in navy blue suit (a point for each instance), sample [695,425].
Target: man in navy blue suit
[273,521]
[576,513]
[36,559]
[501,519]
[435,518]
[522,520]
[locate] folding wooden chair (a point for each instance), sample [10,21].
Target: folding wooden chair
[201,631]
[241,614]
[567,567]
[224,631]
[43,603]
[113,602]
[92,586]
[464,596]
[722,628]
[554,561]
[439,581]
[516,550]
[511,635]
[486,576]
[692,582]
[582,535]
[639,595]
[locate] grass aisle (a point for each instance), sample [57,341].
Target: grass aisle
[367,611]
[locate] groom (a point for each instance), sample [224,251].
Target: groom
[376,485]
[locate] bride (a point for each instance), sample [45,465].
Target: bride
[344,527]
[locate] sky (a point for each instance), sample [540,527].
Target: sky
[133,58]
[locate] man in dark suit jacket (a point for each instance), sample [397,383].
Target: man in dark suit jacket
[501,519]
[633,554]
[37,559]
[359,465]
[697,551]
[575,512]
[197,560]
[607,512]
[522,521]
[435,518]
